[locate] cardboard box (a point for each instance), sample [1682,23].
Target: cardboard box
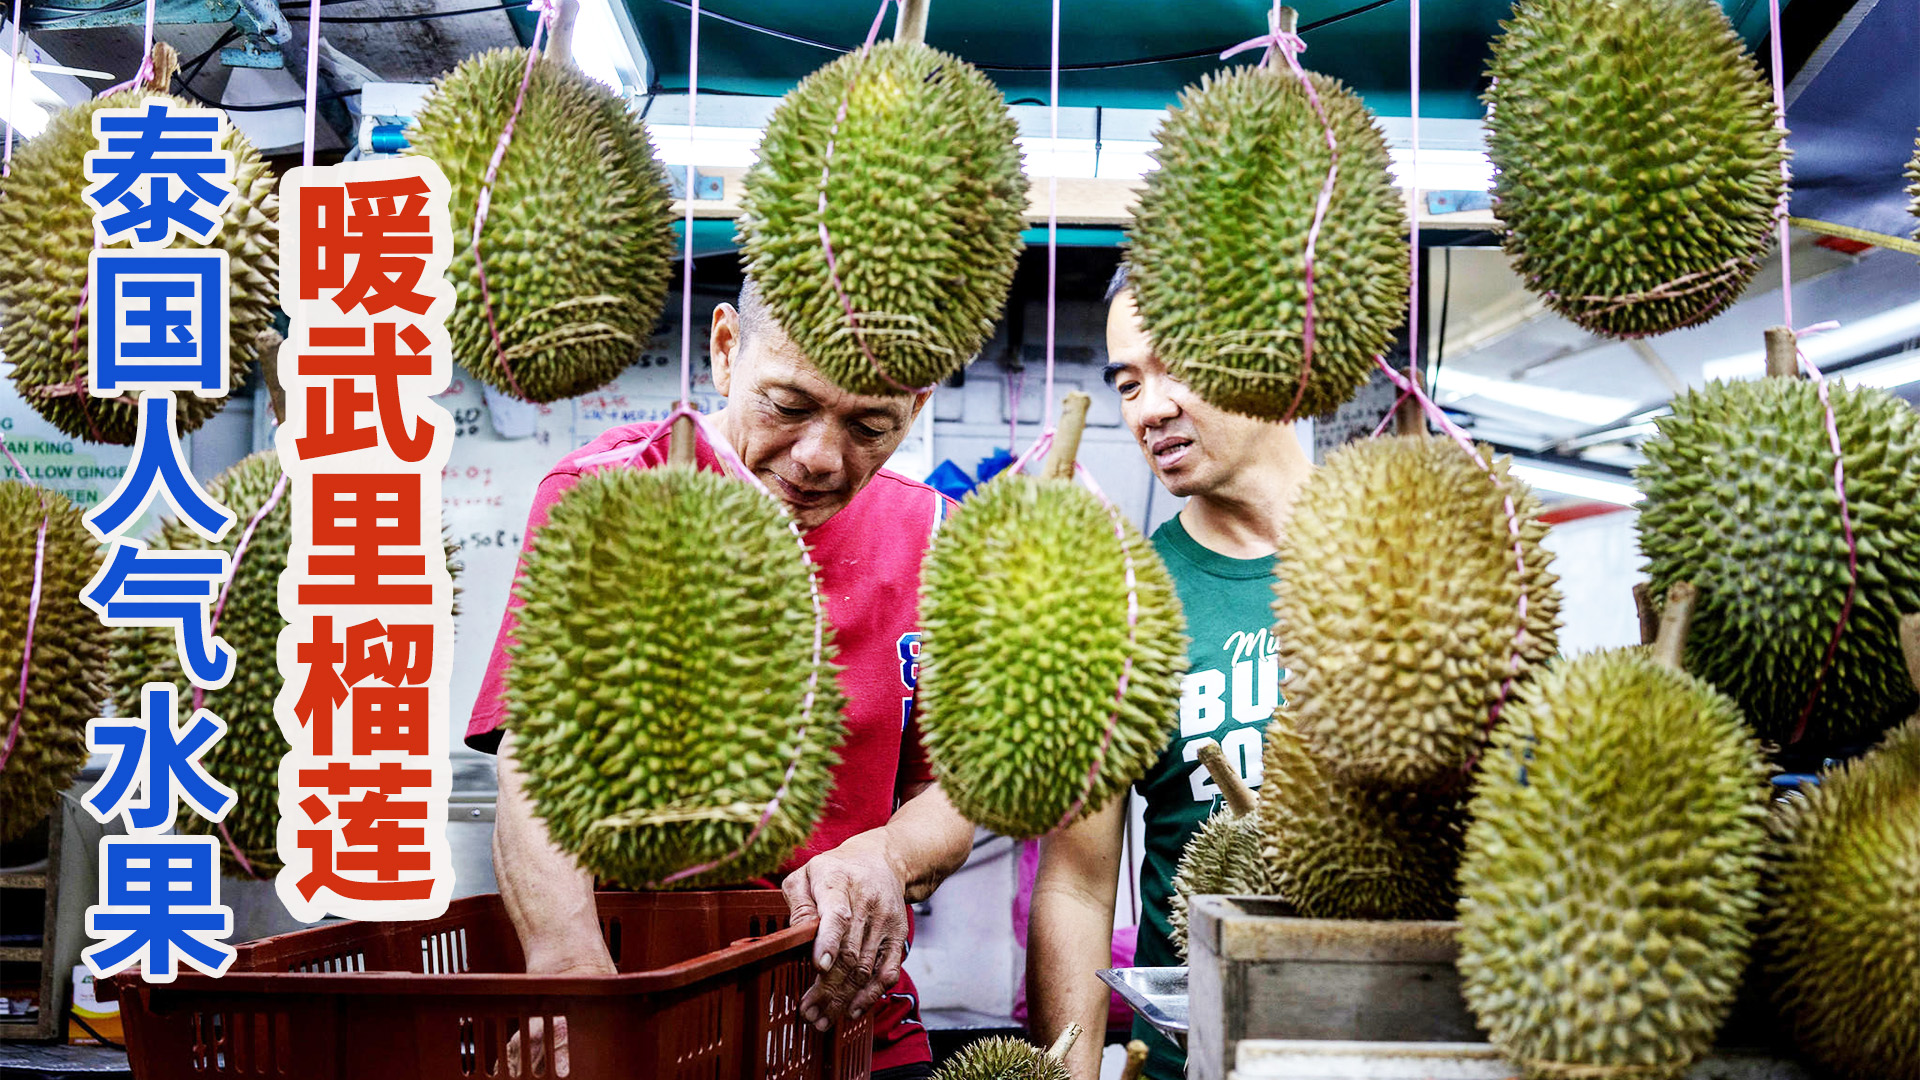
[102,1016]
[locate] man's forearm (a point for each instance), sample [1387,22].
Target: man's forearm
[547,894]
[927,840]
[1070,936]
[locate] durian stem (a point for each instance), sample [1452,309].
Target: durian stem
[560,33]
[1282,19]
[1910,645]
[1783,353]
[1238,795]
[1066,437]
[266,346]
[911,23]
[165,63]
[1408,418]
[1064,1043]
[1649,618]
[1671,642]
[680,448]
[1136,1061]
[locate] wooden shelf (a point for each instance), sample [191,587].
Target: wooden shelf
[33,879]
[21,952]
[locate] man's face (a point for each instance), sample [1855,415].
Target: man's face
[1193,447]
[813,444]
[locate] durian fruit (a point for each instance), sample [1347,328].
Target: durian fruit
[1637,165]
[1612,867]
[1740,500]
[663,690]
[578,244]
[67,675]
[1224,857]
[247,759]
[1843,927]
[1003,1058]
[1913,189]
[1398,606]
[43,271]
[1024,643]
[1219,240]
[1339,851]
[924,202]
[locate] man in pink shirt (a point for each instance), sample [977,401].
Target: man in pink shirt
[888,836]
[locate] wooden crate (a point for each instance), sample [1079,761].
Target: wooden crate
[1256,971]
[49,1022]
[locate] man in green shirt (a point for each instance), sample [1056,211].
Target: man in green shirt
[1239,477]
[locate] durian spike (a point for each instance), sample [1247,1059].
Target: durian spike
[1136,1061]
[1671,642]
[1910,645]
[1783,353]
[166,62]
[1649,618]
[680,448]
[1238,795]
[911,23]
[566,13]
[1066,437]
[1064,1043]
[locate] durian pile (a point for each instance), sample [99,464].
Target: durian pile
[43,272]
[1225,856]
[1034,614]
[578,242]
[645,591]
[1002,1058]
[67,674]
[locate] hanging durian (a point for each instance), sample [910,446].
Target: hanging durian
[43,270]
[1637,160]
[1219,241]
[1913,189]
[1026,639]
[247,759]
[1398,606]
[578,243]
[922,202]
[1224,857]
[645,593]
[1612,866]
[1843,928]
[1002,1058]
[1740,499]
[67,674]
[1338,851]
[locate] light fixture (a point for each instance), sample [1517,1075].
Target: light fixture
[1888,374]
[23,97]
[1546,400]
[1580,485]
[1850,340]
[606,48]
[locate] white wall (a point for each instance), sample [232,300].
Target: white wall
[1598,560]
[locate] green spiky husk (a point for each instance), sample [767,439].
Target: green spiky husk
[663,670]
[247,759]
[1634,147]
[1843,927]
[1002,1058]
[1338,851]
[1397,600]
[579,243]
[925,200]
[1612,868]
[1225,303]
[1023,608]
[1740,501]
[67,676]
[1224,857]
[43,273]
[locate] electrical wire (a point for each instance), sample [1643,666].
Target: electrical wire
[1102,65]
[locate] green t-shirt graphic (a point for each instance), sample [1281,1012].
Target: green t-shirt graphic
[1231,689]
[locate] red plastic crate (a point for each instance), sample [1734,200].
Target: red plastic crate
[709,988]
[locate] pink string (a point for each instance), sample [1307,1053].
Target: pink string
[33,600]
[1053,204]
[731,460]
[13,95]
[313,78]
[686,242]
[486,186]
[1413,182]
[1846,528]
[826,241]
[1290,46]
[1411,388]
[146,60]
[1786,176]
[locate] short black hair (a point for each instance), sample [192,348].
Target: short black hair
[1120,282]
[754,316]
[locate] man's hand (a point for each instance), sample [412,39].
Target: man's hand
[859,899]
